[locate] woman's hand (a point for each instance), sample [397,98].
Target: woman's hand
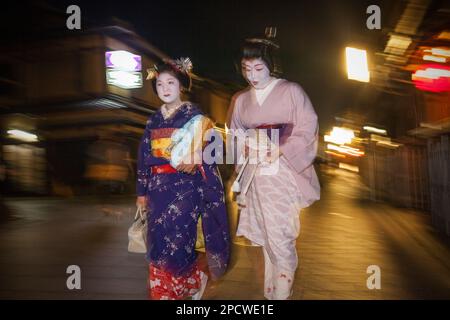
[271,157]
[187,168]
[263,153]
[141,202]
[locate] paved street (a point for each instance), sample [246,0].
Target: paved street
[341,235]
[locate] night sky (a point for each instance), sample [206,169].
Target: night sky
[312,35]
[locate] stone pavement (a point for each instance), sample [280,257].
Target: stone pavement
[341,235]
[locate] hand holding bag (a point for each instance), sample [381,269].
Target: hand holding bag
[137,233]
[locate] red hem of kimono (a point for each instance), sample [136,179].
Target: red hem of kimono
[162,285]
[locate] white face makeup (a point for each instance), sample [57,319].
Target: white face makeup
[256,73]
[168,88]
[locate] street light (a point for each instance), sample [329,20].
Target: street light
[357,67]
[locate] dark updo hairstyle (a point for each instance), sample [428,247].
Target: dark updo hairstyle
[182,77]
[263,48]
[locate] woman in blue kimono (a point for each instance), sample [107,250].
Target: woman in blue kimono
[176,197]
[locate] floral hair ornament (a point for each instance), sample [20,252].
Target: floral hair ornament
[183,65]
[152,73]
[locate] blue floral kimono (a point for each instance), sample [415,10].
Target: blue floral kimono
[175,202]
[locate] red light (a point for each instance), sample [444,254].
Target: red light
[432,77]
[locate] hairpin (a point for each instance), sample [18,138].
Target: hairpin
[183,65]
[152,73]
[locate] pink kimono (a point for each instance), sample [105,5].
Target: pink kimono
[270,215]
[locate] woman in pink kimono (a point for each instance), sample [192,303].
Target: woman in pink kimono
[282,181]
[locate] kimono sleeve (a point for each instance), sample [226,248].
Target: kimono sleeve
[143,171]
[300,147]
[215,225]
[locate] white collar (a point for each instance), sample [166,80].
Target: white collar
[261,94]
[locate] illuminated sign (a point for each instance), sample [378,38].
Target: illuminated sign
[432,77]
[22,135]
[124,79]
[123,69]
[340,135]
[376,130]
[123,60]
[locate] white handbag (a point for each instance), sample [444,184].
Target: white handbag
[137,233]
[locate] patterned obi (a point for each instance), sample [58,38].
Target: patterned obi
[160,141]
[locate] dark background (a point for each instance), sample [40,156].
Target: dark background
[312,35]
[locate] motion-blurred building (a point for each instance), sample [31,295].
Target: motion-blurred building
[74,104]
[412,75]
